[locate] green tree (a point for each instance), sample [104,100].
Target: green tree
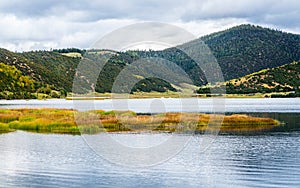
[12,82]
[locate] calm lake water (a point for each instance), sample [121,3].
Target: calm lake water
[159,105]
[270,159]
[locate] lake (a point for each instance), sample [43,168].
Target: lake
[159,105]
[269,159]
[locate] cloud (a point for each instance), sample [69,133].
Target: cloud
[90,10]
[36,24]
[216,9]
[52,32]
[283,13]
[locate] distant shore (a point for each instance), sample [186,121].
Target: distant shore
[145,95]
[170,94]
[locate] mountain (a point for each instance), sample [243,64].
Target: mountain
[285,78]
[45,67]
[55,70]
[246,49]
[240,51]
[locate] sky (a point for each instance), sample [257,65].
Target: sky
[52,24]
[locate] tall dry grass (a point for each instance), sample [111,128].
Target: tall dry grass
[73,122]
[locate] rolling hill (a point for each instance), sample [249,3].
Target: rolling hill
[285,78]
[240,51]
[246,49]
[45,67]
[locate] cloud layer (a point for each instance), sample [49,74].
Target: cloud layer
[36,24]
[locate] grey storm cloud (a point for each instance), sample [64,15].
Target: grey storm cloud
[283,12]
[93,10]
[61,23]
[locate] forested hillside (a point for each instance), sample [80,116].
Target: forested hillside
[246,49]
[45,67]
[14,85]
[284,78]
[54,71]
[240,51]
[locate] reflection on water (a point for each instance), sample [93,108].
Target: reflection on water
[291,120]
[267,160]
[39,160]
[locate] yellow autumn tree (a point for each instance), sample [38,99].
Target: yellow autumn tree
[14,85]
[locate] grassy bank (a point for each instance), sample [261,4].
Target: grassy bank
[67,121]
[171,94]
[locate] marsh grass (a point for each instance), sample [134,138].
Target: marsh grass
[65,121]
[4,127]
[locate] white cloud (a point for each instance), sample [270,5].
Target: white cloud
[204,27]
[52,32]
[36,24]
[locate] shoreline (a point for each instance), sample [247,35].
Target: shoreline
[169,94]
[99,96]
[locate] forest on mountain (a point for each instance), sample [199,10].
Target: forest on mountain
[282,81]
[239,51]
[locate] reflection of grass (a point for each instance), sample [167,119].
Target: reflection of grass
[90,122]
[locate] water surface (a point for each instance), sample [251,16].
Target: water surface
[158,105]
[269,159]
[48,160]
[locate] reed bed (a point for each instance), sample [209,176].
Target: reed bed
[66,121]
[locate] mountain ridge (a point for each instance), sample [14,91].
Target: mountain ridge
[240,51]
[247,48]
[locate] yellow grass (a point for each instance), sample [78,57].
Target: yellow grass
[90,122]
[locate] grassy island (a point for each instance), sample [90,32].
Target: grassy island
[66,121]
